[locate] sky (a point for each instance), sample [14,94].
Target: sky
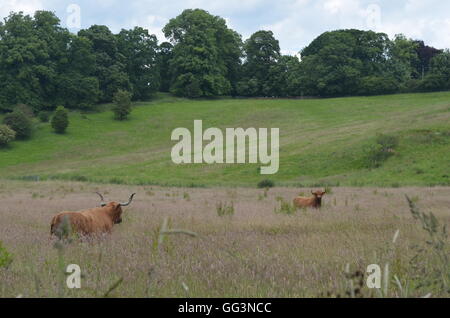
[295,23]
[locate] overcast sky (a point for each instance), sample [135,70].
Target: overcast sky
[295,22]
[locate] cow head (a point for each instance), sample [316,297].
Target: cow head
[318,195]
[115,208]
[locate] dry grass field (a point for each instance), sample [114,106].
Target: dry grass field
[254,250]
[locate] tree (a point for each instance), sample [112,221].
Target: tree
[402,58]
[20,123]
[6,135]
[205,56]
[122,104]
[165,54]
[334,63]
[43,64]
[425,53]
[110,66]
[140,49]
[78,87]
[282,80]
[438,78]
[262,52]
[24,63]
[60,120]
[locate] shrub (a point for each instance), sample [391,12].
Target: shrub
[377,85]
[285,207]
[60,120]
[266,183]
[6,135]
[388,142]
[23,108]
[430,277]
[122,104]
[224,209]
[44,116]
[383,149]
[20,123]
[5,257]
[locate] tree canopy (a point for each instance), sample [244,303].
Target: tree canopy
[44,65]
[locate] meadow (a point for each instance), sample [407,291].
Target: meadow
[203,230]
[226,242]
[322,142]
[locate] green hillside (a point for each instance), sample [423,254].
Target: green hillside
[322,141]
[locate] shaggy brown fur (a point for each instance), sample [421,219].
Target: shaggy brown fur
[315,201]
[93,221]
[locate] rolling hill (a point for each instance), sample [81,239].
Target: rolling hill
[322,142]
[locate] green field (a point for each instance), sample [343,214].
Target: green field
[322,142]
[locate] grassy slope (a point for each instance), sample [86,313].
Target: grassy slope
[322,141]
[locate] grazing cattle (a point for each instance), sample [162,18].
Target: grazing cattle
[88,222]
[315,201]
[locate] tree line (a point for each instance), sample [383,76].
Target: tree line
[43,65]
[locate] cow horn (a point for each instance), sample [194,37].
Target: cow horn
[129,201]
[101,198]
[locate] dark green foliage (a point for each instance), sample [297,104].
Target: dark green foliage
[141,63]
[44,116]
[164,56]
[334,63]
[266,183]
[23,108]
[60,120]
[379,152]
[5,257]
[206,54]
[262,72]
[110,66]
[20,123]
[43,65]
[438,77]
[122,105]
[377,85]
[6,135]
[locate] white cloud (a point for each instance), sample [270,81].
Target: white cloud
[295,23]
[26,6]
[223,7]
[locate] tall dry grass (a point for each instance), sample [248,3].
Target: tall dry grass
[173,243]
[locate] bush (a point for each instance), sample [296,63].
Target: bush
[224,209]
[383,149]
[434,82]
[5,257]
[6,135]
[23,108]
[44,116]
[266,183]
[122,104]
[20,123]
[285,207]
[377,85]
[60,120]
